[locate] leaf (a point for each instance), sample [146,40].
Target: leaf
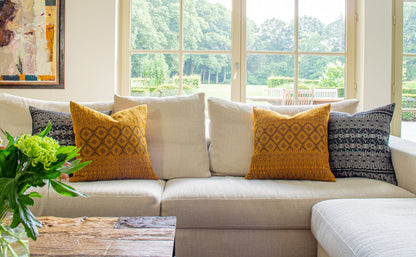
[70,151]
[23,215]
[52,175]
[25,200]
[8,191]
[10,138]
[75,166]
[64,189]
[46,130]
[35,194]
[9,161]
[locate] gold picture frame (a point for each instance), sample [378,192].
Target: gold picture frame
[32,44]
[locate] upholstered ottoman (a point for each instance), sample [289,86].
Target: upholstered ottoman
[365,227]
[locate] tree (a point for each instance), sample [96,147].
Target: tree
[310,34]
[155,70]
[334,35]
[275,34]
[333,77]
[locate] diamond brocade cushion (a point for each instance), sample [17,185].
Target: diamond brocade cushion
[115,144]
[291,147]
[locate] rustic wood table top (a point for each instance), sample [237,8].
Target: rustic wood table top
[125,236]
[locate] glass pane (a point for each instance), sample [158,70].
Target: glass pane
[325,75]
[322,25]
[409,98]
[270,25]
[154,74]
[409,27]
[267,78]
[210,74]
[409,122]
[155,24]
[207,25]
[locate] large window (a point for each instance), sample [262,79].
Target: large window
[404,92]
[260,51]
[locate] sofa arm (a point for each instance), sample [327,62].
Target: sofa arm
[403,155]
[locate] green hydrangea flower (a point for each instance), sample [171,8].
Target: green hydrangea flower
[40,149]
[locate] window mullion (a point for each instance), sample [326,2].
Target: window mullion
[181,49]
[124,51]
[296,75]
[350,45]
[238,50]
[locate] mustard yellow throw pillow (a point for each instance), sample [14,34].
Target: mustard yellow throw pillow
[115,144]
[291,147]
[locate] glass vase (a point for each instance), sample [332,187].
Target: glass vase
[13,241]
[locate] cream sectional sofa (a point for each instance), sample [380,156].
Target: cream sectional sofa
[219,213]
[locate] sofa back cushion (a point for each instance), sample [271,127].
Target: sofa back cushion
[15,116]
[175,133]
[232,135]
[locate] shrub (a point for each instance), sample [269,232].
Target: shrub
[273,82]
[409,102]
[341,92]
[409,84]
[139,91]
[171,90]
[409,91]
[333,75]
[193,81]
[155,71]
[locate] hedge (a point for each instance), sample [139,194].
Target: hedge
[409,102]
[273,82]
[191,80]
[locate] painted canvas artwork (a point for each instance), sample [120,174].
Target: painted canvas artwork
[32,43]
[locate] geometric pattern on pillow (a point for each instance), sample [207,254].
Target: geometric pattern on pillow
[115,144]
[291,147]
[359,144]
[62,129]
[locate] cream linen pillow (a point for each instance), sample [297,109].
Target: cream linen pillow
[232,136]
[15,115]
[175,134]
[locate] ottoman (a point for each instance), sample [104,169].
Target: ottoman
[365,227]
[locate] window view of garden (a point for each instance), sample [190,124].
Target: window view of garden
[409,71]
[270,60]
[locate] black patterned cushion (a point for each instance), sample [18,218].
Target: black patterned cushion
[359,144]
[62,129]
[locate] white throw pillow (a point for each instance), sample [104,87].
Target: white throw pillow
[15,116]
[175,134]
[232,136]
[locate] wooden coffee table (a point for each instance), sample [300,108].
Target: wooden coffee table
[125,236]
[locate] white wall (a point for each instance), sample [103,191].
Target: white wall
[374,52]
[90,54]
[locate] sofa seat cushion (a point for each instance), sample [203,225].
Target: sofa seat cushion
[233,202]
[366,227]
[109,198]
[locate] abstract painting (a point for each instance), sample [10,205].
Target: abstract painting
[32,43]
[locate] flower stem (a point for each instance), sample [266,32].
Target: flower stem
[3,229]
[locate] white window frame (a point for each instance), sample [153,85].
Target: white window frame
[397,66]
[238,50]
